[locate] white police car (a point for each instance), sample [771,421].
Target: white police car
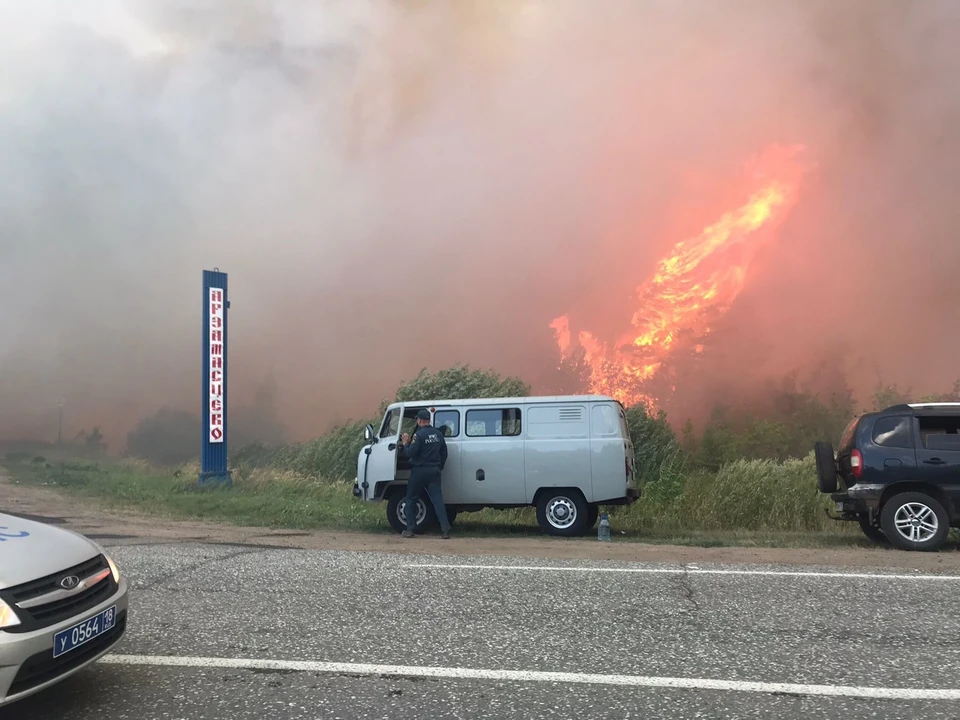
[63,605]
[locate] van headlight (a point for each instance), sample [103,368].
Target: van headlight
[8,618]
[114,570]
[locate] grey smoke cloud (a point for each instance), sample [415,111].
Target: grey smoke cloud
[357,165]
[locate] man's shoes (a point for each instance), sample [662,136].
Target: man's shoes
[408,534]
[445,535]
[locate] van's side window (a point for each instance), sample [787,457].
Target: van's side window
[391,424]
[447,422]
[493,423]
[606,421]
[893,432]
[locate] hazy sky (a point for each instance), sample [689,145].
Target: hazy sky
[394,185]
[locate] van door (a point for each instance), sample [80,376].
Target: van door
[448,422]
[610,453]
[381,465]
[492,455]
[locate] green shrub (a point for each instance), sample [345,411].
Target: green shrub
[654,442]
[755,495]
[458,383]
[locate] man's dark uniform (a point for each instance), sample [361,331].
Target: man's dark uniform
[427,453]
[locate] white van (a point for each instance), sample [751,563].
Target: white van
[565,455]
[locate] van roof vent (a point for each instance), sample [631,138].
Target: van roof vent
[574,413]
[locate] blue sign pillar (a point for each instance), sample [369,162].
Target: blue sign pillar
[213,453]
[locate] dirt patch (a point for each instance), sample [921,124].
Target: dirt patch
[129,528]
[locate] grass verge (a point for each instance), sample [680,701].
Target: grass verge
[747,503]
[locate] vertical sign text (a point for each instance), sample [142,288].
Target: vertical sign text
[215,400]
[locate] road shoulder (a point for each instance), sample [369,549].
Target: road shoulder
[127,528]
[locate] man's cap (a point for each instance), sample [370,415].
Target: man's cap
[423,415]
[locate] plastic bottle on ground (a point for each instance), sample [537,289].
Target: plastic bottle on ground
[603,532]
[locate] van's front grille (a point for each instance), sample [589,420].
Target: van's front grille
[59,608]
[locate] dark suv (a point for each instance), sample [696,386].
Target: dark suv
[897,472]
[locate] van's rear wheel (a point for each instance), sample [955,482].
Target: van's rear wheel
[397,512]
[563,512]
[915,521]
[826,467]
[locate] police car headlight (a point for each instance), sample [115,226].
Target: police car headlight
[114,570]
[8,618]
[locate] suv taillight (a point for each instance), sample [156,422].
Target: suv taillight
[856,463]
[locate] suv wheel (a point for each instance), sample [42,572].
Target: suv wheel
[564,513]
[914,521]
[826,467]
[872,531]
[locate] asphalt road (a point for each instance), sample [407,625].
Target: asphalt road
[194,605]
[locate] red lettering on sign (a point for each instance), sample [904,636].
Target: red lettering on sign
[216,335]
[216,295]
[216,390]
[216,405]
[216,433]
[215,308]
[216,376]
[216,349]
[216,362]
[216,420]
[216,322]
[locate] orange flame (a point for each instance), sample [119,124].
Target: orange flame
[693,286]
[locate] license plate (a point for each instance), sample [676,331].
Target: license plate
[72,638]
[839,507]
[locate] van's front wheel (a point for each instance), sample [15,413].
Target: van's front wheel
[397,516]
[563,512]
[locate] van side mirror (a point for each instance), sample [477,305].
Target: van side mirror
[368,433]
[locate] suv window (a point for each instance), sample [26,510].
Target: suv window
[896,431]
[487,423]
[447,422]
[940,433]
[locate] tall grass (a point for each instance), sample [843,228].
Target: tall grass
[745,495]
[746,502]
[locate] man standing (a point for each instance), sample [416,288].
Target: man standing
[427,453]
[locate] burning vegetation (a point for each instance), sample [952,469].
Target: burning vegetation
[692,287]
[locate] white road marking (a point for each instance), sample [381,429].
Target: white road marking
[637,681]
[686,571]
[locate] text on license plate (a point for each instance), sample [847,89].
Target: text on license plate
[73,637]
[839,507]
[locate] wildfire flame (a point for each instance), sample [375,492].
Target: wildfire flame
[693,286]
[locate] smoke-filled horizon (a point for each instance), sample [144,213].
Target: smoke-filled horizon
[393,185]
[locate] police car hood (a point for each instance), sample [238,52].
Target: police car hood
[31,550]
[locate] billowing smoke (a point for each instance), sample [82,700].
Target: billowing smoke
[401,184]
